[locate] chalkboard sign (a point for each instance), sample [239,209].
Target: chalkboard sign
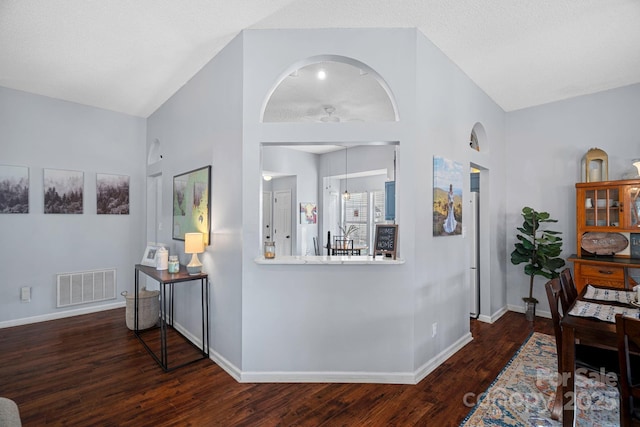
[386,240]
[634,243]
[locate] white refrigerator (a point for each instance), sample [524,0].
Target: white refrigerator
[474,274]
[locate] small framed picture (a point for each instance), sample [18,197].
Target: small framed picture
[150,254]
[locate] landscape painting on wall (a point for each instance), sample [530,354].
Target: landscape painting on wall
[112,194]
[14,189]
[447,197]
[191,203]
[63,191]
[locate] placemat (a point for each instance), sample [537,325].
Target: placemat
[602,311]
[625,297]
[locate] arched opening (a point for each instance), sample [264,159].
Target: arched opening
[330,89]
[296,175]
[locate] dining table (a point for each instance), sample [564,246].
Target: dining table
[590,320]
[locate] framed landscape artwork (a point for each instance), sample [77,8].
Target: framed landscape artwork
[63,191]
[447,197]
[14,189]
[192,203]
[112,194]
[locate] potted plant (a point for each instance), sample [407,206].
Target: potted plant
[347,232]
[539,248]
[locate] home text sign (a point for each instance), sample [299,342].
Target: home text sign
[386,240]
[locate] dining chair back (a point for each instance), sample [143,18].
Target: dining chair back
[570,293]
[343,246]
[594,359]
[555,295]
[628,331]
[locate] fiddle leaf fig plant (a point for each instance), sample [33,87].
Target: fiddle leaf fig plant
[538,247]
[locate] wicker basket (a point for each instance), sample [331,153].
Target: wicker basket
[148,308]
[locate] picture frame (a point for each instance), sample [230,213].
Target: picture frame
[112,194]
[308,213]
[150,255]
[14,189]
[447,197]
[63,191]
[192,203]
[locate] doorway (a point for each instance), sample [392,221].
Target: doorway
[474,236]
[282,222]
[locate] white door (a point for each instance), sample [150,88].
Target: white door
[474,233]
[266,216]
[282,222]
[154,218]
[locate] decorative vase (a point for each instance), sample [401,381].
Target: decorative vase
[530,313]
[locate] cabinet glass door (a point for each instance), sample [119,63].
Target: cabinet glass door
[602,207]
[632,206]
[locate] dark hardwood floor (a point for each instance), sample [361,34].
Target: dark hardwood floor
[91,371]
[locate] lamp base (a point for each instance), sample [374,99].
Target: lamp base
[194,270]
[195,266]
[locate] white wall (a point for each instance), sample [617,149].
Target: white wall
[331,319]
[45,133]
[546,146]
[364,321]
[303,167]
[448,106]
[202,125]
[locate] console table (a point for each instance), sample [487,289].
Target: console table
[167,282]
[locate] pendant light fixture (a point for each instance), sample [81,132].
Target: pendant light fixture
[346,195]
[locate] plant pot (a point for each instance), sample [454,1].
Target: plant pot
[530,310]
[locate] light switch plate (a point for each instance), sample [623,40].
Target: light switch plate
[25,294]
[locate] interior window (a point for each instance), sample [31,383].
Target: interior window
[362,211]
[298,177]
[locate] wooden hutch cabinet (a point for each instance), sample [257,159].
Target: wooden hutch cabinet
[607,213]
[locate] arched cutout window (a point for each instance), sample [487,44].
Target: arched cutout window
[154,152]
[477,137]
[330,89]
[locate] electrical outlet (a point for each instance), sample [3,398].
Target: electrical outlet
[434,329]
[25,294]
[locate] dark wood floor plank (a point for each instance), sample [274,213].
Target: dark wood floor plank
[91,370]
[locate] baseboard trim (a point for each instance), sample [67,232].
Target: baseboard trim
[226,365]
[62,315]
[328,377]
[522,309]
[434,363]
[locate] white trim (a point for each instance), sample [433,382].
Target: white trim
[521,309]
[434,363]
[226,365]
[62,315]
[329,377]
[494,317]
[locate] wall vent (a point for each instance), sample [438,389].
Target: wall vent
[86,286]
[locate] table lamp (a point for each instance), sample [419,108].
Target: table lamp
[194,244]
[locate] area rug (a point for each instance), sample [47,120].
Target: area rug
[523,393]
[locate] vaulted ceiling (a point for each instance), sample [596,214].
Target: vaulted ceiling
[131,56]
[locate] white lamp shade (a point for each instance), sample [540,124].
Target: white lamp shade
[193,243]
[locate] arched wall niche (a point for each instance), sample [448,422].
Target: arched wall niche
[478,138]
[154,155]
[350,91]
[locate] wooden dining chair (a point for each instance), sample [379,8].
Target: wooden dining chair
[628,330]
[343,246]
[569,289]
[588,357]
